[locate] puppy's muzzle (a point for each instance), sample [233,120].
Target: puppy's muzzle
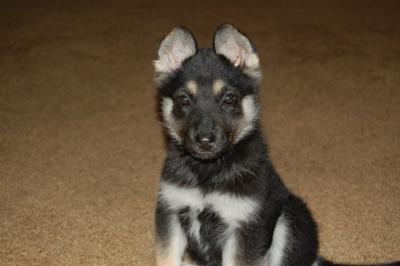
[205,142]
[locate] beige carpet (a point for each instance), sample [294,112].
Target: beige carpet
[81,147]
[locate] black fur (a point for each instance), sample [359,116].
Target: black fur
[242,169]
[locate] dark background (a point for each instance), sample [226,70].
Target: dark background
[81,147]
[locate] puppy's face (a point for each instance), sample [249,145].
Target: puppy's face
[208,95]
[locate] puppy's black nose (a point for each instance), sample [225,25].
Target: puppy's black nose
[205,142]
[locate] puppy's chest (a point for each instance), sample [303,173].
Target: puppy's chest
[212,208]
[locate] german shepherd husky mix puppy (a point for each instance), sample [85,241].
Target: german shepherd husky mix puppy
[221,202]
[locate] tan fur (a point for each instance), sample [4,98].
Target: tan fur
[164,257]
[187,260]
[218,86]
[192,86]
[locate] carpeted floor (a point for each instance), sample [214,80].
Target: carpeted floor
[81,146]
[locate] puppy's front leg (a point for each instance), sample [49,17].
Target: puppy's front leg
[170,240]
[230,252]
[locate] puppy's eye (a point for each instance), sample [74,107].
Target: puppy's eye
[229,99]
[183,100]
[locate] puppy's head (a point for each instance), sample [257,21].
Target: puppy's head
[208,96]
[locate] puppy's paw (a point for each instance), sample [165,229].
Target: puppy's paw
[187,264]
[187,261]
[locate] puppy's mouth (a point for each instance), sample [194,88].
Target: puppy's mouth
[201,154]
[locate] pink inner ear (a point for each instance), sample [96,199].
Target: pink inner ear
[179,52]
[233,52]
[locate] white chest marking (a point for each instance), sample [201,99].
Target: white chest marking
[230,208]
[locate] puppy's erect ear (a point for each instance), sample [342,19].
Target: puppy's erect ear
[229,42]
[176,47]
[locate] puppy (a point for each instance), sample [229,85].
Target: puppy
[221,202]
